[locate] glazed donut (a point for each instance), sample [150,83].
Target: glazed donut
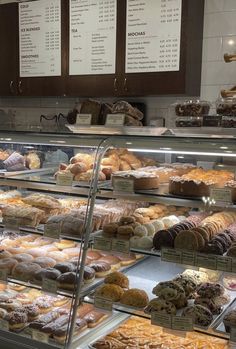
[8,264]
[25,271]
[45,262]
[72,252]
[58,256]
[23,257]
[63,244]
[17,250]
[11,305]
[28,237]
[49,248]
[5,254]
[93,255]
[36,252]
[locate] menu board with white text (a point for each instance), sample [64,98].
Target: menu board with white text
[153,33]
[40,38]
[92,37]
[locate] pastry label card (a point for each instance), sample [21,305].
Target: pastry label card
[101,243]
[153,33]
[102,303]
[120,245]
[124,185]
[160,319]
[11,223]
[114,120]
[221,196]
[180,323]
[3,274]
[65,179]
[171,255]
[40,336]
[40,38]
[206,261]
[49,285]
[224,263]
[188,258]
[92,37]
[52,230]
[4,325]
[84,119]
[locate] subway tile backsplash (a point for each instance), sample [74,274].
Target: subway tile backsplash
[219,38]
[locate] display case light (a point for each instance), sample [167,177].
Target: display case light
[227,153]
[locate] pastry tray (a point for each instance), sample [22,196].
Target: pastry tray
[145,276]
[219,327]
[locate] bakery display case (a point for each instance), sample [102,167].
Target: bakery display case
[117,241]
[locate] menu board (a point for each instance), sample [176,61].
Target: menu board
[40,38]
[153,35]
[92,37]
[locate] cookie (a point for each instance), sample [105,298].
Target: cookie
[203,232]
[200,240]
[197,276]
[187,283]
[168,290]
[161,306]
[213,248]
[180,302]
[210,304]
[209,290]
[163,239]
[186,240]
[201,315]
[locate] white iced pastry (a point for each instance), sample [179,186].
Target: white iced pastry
[158,225]
[174,219]
[167,221]
[181,218]
[150,228]
[140,231]
[145,242]
[134,241]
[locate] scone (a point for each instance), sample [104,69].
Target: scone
[110,291]
[135,298]
[198,276]
[117,278]
[189,284]
[209,290]
[161,306]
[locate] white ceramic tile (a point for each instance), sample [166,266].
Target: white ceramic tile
[229,44]
[209,93]
[212,49]
[214,5]
[218,73]
[229,5]
[219,24]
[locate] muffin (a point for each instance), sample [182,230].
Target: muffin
[110,291]
[117,278]
[135,298]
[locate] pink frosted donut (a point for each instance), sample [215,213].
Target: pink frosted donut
[36,252]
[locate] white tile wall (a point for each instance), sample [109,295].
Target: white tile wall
[219,38]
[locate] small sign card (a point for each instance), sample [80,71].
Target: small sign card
[102,303]
[100,243]
[65,179]
[120,245]
[49,285]
[123,184]
[52,230]
[115,120]
[84,119]
[221,196]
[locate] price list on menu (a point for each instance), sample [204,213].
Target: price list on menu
[40,38]
[153,35]
[92,37]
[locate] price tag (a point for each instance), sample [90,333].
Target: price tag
[3,275]
[181,323]
[102,303]
[11,223]
[40,336]
[4,325]
[120,245]
[159,319]
[188,258]
[233,265]
[115,120]
[101,243]
[171,255]
[233,334]
[84,119]
[65,179]
[123,184]
[52,230]
[206,165]
[224,263]
[49,285]
[221,196]
[206,261]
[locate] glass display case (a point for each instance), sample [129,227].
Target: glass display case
[117,241]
